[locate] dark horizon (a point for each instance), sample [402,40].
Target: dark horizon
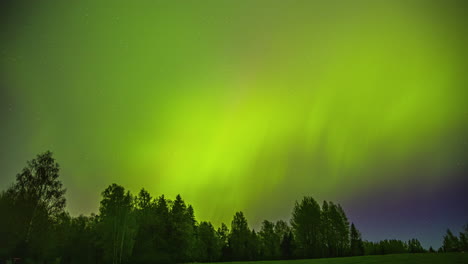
[142,228]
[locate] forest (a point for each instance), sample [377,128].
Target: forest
[141,228]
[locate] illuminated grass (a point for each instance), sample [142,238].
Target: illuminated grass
[444,258]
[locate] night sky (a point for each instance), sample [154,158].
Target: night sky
[246,105]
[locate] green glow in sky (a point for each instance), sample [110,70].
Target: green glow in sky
[231,103]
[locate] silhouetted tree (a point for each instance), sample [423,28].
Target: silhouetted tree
[12,226]
[208,246]
[239,238]
[77,239]
[357,246]
[414,246]
[451,243]
[282,228]
[37,198]
[253,246]
[288,246]
[145,230]
[329,245]
[463,241]
[162,232]
[306,225]
[270,241]
[144,247]
[392,246]
[117,226]
[182,239]
[383,247]
[223,235]
[371,248]
[334,231]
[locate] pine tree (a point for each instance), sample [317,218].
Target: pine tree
[117,224]
[239,238]
[182,230]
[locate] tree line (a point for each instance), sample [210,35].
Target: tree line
[141,228]
[453,243]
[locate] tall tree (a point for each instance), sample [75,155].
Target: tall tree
[208,245]
[117,224]
[162,232]
[357,246]
[239,237]
[451,243]
[463,241]
[223,235]
[182,237]
[33,204]
[253,246]
[327,232]
[306,224]
[38,185]
[143,249]
[270,241]
[342,225]
[287,246]
[282,228]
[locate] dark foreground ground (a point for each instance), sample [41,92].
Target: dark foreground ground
[428,258]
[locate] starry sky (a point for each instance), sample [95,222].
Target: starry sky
[246,105]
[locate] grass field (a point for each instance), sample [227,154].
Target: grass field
[443,258]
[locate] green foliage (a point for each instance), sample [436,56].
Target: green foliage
[209,244]
[357,246]
[392,246]
[282,228]
[306,223]
[269,241]
[414,246]
[320,232]
[463,246]
[451,242]
[239,238]
[223,235]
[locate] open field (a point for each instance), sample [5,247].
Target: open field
[442,258]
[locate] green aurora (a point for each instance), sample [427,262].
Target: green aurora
[234,103]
